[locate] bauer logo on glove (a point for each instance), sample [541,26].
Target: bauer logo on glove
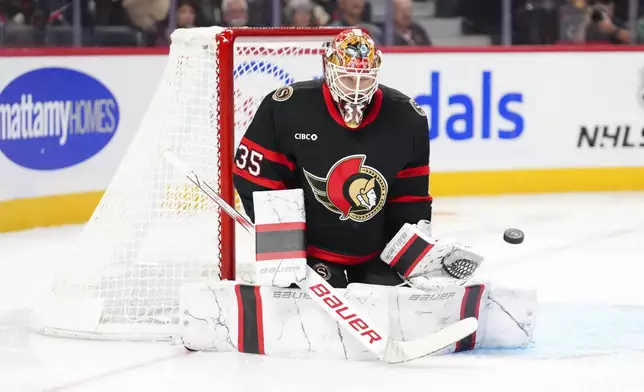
[429,263]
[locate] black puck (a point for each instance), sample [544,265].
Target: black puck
[513,236]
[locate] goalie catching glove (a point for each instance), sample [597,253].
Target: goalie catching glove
[429,263]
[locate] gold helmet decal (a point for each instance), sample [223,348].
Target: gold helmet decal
[350,189]
[354,48]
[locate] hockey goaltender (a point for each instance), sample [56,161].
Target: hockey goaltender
[350,157]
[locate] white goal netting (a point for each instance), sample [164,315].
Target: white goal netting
[153,231]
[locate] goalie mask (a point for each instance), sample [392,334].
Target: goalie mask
[351,65]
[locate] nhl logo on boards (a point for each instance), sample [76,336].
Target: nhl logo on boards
[283,93]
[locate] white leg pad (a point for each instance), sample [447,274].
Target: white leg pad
[218,317]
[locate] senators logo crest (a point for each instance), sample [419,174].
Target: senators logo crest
[351,189]
[283,93]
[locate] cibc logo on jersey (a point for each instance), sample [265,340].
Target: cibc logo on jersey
[351,189]
[306,136]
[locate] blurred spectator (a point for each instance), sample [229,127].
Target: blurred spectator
[320,14]
[572,22]
[537,22]
[110,13]
[17,21]
[406,31]
[209,12]
[603,26]
[304,13]
[206,12]
[16,12]
[330,7]
[186,15]
[299,13]
[56,13]
[639,26]
[351,12]
[38,23]
[234,13]
[186,18]
[146,14]
[482,16]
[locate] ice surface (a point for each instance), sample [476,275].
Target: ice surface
[583,252]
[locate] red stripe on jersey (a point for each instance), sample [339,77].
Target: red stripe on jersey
[374,108]
[280,226]
[338,257]
[413,172]
[297,254]
[268,154]
[266,183]
[409,199]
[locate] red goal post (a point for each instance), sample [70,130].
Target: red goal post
[226,41]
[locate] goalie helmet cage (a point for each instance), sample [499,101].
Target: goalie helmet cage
[153,231]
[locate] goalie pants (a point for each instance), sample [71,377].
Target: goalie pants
[373,271]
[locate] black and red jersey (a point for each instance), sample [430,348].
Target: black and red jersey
[360,185]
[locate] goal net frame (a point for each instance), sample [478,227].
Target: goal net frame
[82,315]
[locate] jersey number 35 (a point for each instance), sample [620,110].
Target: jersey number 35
[249,159]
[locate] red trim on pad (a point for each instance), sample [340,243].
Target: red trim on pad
[280,226]
[260,321]
[297,254]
